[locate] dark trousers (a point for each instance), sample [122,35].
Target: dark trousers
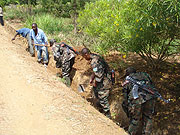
[1,20]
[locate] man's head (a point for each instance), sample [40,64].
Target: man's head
[85,52]
[34,27]
[129,71]
[52,41]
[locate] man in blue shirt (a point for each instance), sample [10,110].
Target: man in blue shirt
[24,32]
[40,42]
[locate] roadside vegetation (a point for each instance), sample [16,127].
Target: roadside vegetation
[140,33]
[149,28]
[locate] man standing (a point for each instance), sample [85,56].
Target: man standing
[40,42]
[100,79]
[1,16]
[64,55]
[25,33]
[140,104]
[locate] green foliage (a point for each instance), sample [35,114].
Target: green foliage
[55,27]
[6,2]
[15,12]
[147,27]
[99,20]
[63,8]
[32,2]
[21,12]
[152,27]
[48,23]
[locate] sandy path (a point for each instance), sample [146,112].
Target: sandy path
[34,102]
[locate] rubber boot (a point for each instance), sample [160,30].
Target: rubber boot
[108,114]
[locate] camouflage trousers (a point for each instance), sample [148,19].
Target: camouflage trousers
[66,69]
[138,112]
[102,95]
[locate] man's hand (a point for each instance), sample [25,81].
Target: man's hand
[92,81]
[92,78]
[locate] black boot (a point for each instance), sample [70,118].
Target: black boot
[108,114]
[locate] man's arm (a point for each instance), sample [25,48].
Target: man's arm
[92,78]
[15,36]
[45,38]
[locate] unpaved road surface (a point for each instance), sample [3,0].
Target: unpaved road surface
[34,102]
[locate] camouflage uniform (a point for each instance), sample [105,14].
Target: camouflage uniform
[140,107]
[103,82]
[64,58]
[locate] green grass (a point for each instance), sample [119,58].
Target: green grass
[48,23]
[15,12]
[53,27]
[58,28]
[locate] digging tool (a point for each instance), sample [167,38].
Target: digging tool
[81,87]
[41,45]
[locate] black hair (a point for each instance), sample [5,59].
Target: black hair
[52,40]
[34,24]
[130,70]
[85,51]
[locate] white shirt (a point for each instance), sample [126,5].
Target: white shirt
[1,11]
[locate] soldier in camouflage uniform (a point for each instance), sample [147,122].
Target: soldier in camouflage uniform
[64,58]
[100,79]
[140,104]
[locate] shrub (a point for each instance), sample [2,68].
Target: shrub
[148,27]
[16,12]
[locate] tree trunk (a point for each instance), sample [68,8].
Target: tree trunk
[29,7]
[75,16]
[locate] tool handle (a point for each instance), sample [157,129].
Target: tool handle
[41,45]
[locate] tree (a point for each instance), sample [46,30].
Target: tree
[148,27]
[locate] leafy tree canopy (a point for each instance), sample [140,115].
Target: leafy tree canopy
[148,27]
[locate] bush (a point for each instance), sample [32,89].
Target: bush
[98,21]
[147,27]
[16,12]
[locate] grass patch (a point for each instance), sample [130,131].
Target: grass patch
[15,12]
[58,28]
[48,23]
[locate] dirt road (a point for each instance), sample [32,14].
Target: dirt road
[34,102]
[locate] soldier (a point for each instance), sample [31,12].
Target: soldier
[64,56]
[100,79]
[140,104]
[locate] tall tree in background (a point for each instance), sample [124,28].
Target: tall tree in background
[75,15]
[76,6]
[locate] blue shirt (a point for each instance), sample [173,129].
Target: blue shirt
[23,31]
[40,38]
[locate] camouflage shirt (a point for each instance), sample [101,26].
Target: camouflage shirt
[100,69]
[62,52]
[128,87]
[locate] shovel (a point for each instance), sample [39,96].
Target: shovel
[81,87]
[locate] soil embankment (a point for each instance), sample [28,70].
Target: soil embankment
[34,102]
